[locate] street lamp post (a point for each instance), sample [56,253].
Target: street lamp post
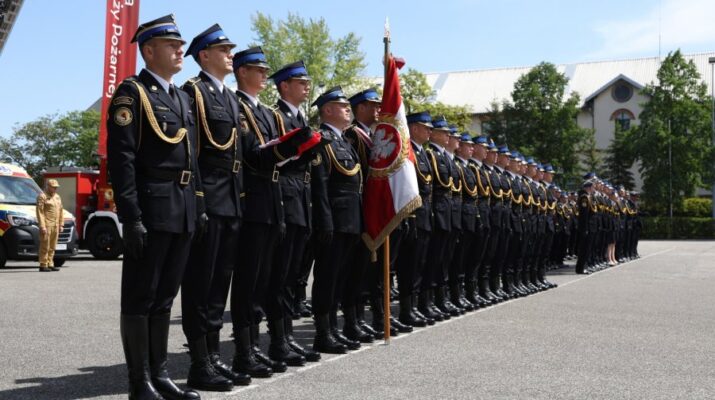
[711,60]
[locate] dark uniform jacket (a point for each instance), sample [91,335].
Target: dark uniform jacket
[145,168]
[504,214]
[516,202]
[337,186]
[424,182]
[441,188]
[470,195]
[497,197]
[220,153]
[456,195]
[261,175]
[481,174]
[551,211]
[584,212]
[295,175]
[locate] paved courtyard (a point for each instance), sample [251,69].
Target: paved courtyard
[642,330]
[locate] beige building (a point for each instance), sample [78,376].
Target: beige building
[610,91]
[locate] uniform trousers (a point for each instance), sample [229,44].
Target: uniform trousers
[204,290]
[149,284]
[331,261]
[256,248]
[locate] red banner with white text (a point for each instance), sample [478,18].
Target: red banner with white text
[120,56]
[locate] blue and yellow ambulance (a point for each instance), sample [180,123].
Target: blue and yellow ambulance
[19,233]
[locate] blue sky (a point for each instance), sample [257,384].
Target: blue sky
[53,59]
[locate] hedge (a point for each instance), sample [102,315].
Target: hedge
[683,228]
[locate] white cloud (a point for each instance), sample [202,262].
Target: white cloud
[682,23]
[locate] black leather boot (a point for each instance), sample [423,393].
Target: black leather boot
[214,348]
[417,312]
[352,330]
[324,341]
[494,283]
[471,295]
[202,375]
[402,328]
[362,323]
[407,316]
[441,300]
[158,342]
[425,307]
[485,292]
[458,298]
[261,357]
[338,335]
[310,355]
[378,319]
[134,330]
[279,349]
[244,361]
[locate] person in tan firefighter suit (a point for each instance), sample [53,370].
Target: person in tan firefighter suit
[49,219]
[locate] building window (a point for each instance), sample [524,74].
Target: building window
[623,118]
[622,92]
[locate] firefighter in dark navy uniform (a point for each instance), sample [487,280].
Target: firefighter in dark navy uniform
[413,252]
[585,216]
[337,216]
[263,219]
[463,259]
[442,219]
[212,260]
[293,85]
[151,154]
[474,277]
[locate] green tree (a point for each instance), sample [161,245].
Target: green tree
[619,160]
[541,121]
[591,157]
[417,95]
[676,117]
[329,61]
[54,141]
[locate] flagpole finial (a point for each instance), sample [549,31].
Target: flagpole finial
[387,28]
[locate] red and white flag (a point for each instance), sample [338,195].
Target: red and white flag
[391,191]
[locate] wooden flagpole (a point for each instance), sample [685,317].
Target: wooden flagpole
[386,245]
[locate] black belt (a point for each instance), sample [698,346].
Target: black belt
[227,165]
[273,176]
[183,177]
[350,187]
[305,176]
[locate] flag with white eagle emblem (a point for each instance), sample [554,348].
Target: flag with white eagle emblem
[391,191]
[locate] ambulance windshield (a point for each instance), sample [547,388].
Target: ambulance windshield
[18,190]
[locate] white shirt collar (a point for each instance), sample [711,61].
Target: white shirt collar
[461,159]
[419,147]
[440,148]
[479,163]
[162,82]
[336,130]
[253,100]
[291,107]
[218,83]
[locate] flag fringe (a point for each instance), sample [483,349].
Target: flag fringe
[408,209]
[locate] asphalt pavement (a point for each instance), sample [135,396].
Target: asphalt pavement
[641,330]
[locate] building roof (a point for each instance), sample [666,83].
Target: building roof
[479,88]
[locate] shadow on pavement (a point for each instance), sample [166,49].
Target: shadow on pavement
[90,382]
